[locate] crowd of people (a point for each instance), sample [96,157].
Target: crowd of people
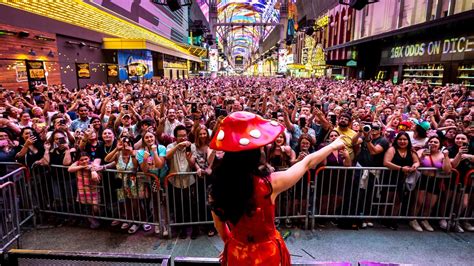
[165,126]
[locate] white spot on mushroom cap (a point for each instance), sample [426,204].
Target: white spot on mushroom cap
[274,123]
[244,141]
[255,133]
[220,135]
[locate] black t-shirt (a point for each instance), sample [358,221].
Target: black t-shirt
[105,150]
[29,158]
[366,159]
[95,152]
[464,165]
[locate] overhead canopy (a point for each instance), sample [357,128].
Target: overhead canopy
[88,15]
[244,40]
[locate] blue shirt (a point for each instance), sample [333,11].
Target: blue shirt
[78,123]
[152,169]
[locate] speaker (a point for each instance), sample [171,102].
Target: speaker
[358,4]
[174,5]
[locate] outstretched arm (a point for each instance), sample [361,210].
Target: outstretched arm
[283,180]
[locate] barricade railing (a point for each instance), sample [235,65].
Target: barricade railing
[378,192]
[181,198]
[19,175]
[465,199]
[291,206]
[9,216]
[186,199]
[119,196]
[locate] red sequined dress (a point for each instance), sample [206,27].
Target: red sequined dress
[254,240]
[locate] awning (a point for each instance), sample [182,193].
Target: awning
[142,44]
[87,14]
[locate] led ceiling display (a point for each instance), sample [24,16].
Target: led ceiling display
[242,41]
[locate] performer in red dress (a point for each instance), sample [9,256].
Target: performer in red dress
[243,195]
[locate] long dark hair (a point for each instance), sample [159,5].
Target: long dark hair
[395,141]
[233,190]
[38,143]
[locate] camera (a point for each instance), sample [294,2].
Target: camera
[62,141]
[367,128]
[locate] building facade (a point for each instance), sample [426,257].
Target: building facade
[111,40]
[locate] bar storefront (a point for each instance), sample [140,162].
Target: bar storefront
[435,61]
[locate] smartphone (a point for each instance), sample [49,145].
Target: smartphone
[62,108]
[62,121]
[62,141]
[333,119]
[193,107]
[302,122]
[319,106]
[188,149]
[274,115]
[50,95]
[125,107]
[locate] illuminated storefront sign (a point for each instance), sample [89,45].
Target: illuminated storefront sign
[452,45]
[135,64]
[36,73]
[83,70]
[447,49]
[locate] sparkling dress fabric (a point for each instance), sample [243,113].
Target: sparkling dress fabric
[255,240]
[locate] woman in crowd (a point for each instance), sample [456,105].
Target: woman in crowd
[203,152]
[25,120]
[418,136]
[92,145]
[279,154]
[429,186]
[30,148]
[403,161]
[132,189]
[7,150]
[393,123]
[152,159]
[462,159]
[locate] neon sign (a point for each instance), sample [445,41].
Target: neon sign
[447,46]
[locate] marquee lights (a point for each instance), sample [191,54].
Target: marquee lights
[79,13]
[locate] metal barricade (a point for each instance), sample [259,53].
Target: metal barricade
[292,205]
[186,199]
[19,175]
[9,216]
[465,199]
[378,192]
[119,196]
